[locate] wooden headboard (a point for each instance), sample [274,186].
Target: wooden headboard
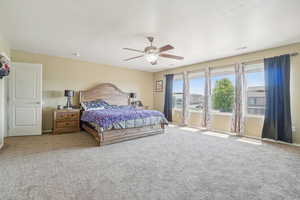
[106,91]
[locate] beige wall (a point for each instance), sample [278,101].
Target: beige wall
[62,73]
[253,126]
[177,116]
[195,119]
[4,47]
[295,77]
[221,122]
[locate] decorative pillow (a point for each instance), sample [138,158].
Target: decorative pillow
[94,105]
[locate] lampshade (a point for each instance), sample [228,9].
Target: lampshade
[69,93]
[132,95]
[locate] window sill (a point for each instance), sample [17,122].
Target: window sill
[219,113]
[194,111]
[177,109]
[254,116]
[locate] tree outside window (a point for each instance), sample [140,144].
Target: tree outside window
[223,95]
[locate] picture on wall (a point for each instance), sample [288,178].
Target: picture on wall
[159,86]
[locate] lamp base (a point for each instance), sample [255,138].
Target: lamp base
[69,104]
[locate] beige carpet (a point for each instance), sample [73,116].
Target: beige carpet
[178,165]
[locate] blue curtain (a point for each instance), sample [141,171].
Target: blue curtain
[168,97]
[277,124]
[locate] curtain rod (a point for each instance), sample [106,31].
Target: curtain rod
[180,73]
[294,54]
[261,59]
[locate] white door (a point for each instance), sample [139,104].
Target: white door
[25,99]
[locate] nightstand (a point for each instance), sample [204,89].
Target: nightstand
[66,121]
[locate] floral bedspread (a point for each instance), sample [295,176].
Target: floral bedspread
[107,117]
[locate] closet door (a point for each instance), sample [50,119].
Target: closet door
[25,99]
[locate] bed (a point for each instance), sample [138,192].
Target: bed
[116,121]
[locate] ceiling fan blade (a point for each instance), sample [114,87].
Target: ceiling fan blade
[166,48]
[171,56]
[134,50]
[133,58]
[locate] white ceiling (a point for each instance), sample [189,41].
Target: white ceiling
[199,30]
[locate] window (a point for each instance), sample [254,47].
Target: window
[255,89]
[222,89]
[196,91]
[177,92]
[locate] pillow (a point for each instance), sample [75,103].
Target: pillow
[111,107]
[94,105]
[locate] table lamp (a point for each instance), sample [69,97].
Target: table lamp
[69,94]
[132,97]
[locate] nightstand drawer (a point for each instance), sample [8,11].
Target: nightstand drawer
[67,116]
[66,124]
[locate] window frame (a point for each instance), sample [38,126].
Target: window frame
[245,71]
[189,93]
[220,73]
[181,93]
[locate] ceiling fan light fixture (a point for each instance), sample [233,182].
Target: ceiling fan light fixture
[151,54]
[151,57]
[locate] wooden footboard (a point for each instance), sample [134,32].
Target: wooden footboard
[119,135]
[93,132]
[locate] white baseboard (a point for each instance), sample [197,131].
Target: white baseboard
[280,142]
[47,131]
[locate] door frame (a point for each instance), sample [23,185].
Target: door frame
[6,108]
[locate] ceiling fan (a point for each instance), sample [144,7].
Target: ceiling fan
[152,53]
